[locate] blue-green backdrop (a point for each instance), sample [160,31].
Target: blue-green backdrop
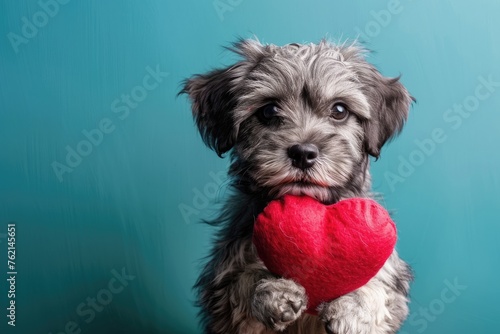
[105,178]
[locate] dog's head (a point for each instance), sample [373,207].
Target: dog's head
[299,119]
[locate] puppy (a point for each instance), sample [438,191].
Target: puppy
[302,120]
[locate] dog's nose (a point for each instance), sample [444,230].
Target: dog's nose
[303,155]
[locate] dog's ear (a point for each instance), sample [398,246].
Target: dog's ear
[389,107]
[213,97]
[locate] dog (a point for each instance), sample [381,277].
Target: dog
[299,119]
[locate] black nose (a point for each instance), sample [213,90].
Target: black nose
[304,155]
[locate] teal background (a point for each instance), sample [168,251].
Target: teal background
[121,206]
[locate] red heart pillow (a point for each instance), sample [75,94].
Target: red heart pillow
[329,250]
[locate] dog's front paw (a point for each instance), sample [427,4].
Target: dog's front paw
[345,315]
[278,302]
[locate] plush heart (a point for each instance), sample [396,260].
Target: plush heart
[329,250]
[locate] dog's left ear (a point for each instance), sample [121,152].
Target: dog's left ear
[389,103]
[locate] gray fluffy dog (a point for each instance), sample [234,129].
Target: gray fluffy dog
[302,120]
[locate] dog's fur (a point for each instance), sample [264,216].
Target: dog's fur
[299,84]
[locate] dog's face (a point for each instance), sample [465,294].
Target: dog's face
[300,119]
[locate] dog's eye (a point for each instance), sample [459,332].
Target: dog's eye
[339,112]
[268,113]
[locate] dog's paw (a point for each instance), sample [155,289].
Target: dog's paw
[278,302]
[345,315]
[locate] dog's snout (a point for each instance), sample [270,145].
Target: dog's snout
[303,155]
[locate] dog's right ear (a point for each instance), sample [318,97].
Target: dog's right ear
[213,98]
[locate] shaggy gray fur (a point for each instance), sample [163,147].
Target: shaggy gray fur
[323,96]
